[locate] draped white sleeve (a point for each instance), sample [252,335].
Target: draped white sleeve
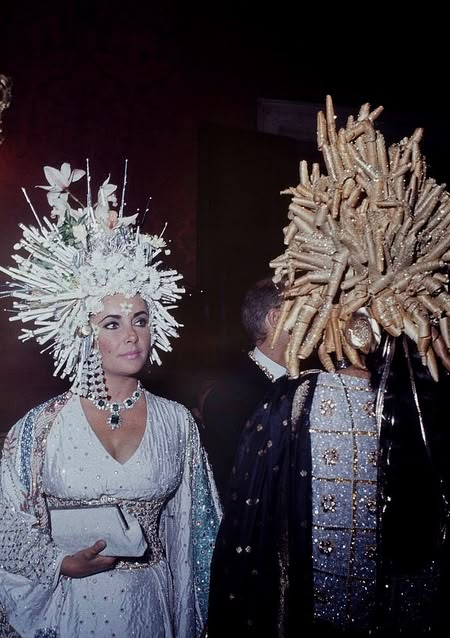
[190,526]
[29,560]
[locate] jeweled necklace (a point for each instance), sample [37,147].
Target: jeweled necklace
[115,419]
[266,371]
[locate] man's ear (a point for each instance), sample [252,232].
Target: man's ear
[272,318]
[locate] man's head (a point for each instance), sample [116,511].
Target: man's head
[260,300]
[259,313]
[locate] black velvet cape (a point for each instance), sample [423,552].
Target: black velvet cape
[261,580]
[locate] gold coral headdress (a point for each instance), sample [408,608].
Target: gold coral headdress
[374,232]
[88,253]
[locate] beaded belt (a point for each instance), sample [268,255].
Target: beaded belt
[146,512]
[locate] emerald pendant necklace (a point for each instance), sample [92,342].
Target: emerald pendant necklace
[115,419]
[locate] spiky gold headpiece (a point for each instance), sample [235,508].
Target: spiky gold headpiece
[90,252]
[373,232]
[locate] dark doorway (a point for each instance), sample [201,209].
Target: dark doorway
[240,219]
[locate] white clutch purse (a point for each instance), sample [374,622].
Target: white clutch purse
[75,528]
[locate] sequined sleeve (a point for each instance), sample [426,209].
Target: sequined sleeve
[28,557]
[192,521]
[26,550]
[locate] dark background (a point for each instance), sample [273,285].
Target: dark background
[175,88]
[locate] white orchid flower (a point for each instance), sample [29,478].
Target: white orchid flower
[80,233]
[109,219]
[156,241]
[127,221]
[58,202]
[106,193]
[60,180]
[78,214]
[105,217]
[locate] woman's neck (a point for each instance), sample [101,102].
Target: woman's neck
[120,388]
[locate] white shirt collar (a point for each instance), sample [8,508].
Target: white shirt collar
[272,366]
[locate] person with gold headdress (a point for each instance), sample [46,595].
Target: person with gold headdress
[337,514]
[109,509]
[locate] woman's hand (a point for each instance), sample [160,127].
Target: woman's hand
[87,561]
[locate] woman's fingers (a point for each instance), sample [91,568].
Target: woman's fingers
[95,549]
[87,561]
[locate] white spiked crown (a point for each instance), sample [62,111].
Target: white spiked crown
[75,259]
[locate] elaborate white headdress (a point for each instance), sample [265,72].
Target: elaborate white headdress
[73,262]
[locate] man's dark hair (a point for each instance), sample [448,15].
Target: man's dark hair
[259,299]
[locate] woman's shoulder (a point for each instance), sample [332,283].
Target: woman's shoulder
[38,419]
[50,407]
[169,405]
[172,417]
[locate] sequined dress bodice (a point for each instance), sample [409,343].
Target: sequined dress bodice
[344,448]
[79,470]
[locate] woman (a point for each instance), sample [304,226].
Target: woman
[105,442]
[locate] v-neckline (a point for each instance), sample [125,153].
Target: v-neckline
[92,431]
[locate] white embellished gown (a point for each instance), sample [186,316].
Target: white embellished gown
[166,484]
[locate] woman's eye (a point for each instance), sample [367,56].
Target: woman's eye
[141,323]
[112,325]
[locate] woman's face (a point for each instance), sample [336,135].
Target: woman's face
[123,335]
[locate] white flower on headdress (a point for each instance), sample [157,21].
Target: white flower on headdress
[61,180]
[58,198]
[106,193]
[156,241]
[109,219]
[106,196]
[78,214]
[127,221]
[58,202]
[80,233]
[126,308]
